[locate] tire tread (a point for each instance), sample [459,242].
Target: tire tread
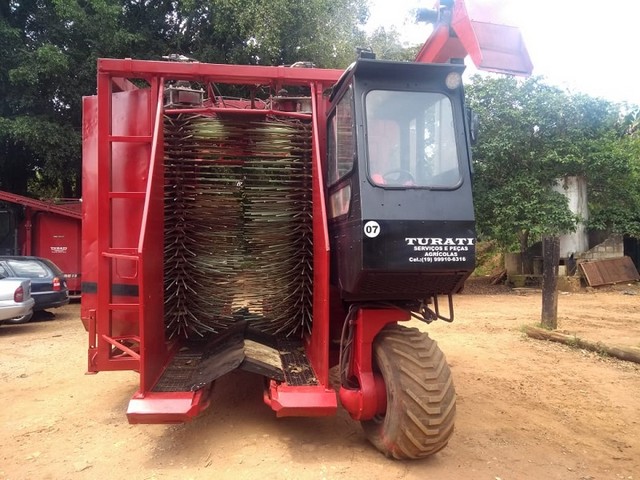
[421,400]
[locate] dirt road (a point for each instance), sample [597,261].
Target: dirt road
[526,409]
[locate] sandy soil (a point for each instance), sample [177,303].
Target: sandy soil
[526,409]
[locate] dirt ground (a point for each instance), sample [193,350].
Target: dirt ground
[526,409]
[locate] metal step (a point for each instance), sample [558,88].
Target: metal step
[177,376]
[295,363]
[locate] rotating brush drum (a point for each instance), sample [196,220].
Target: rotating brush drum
[238,226]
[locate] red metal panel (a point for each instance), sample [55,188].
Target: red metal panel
[150,250]
[240,74]
[39,205]
[129,172]
[318,348]
[103,221]
[304,401]
[58,239]
[495,48]
[89,207]
[173,407]
[114,224]
[441,47]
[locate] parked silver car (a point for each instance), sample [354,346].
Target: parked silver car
[48,286]
[16,302]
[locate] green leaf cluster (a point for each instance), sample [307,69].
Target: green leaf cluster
[49,51]
[532,134]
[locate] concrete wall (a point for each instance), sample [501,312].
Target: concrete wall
[575,189]
[612,247]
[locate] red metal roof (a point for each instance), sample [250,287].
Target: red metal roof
[68,210]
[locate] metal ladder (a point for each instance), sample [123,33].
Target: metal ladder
[123,303]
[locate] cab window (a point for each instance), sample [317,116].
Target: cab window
[341,139]
[411,140]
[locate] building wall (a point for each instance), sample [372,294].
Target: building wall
[575,189]
[612,247]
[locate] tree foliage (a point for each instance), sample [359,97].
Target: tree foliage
[386,44]
[614,193]
[265,32]
[517,159]
[532,134]
[50,47]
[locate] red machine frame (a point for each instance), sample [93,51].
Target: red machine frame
[116,342]
[122,263]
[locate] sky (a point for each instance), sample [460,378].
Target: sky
[585,47]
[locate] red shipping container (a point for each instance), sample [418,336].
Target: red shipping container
[58,238]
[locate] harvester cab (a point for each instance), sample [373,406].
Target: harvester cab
[400,208]
[285,234]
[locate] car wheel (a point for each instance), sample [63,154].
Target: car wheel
[19,320]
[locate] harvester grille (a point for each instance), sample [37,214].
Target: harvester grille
[238,233]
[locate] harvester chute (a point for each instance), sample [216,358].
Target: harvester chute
[459,32]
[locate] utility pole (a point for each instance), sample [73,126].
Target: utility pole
[550,260]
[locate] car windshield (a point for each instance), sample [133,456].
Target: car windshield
[411,139]
[28,269]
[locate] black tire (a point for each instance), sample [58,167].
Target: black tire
[421,399]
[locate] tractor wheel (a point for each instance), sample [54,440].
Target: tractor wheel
[421,400]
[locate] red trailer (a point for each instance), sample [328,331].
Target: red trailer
[286,234]
[46,229]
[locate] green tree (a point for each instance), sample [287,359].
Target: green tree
[631,123]
[324,32]
[524,142]
[614,190]
[386,44]
[49,50]
[531,134]
[254,32]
